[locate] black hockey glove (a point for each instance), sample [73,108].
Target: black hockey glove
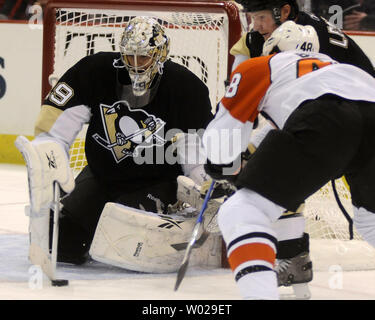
[223,171]
[255,41]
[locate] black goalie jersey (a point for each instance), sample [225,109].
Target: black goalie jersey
[333,42]
[128,137]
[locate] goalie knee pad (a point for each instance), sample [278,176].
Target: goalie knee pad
[144,241]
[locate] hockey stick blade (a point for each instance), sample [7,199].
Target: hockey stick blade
[59,282]
[185,262]
[198,243]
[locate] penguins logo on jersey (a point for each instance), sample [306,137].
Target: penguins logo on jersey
[128,130]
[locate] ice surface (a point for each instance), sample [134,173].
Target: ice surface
[101,282]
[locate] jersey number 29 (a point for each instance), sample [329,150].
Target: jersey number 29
[61,94]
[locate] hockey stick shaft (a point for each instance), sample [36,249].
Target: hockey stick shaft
[206,199]
[55,236]
[185,262]
[56,211]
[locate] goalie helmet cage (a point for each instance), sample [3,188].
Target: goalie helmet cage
[202,33]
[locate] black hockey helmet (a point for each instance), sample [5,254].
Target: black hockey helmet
[273,5]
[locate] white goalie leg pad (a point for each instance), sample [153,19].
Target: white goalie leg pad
[364,222]
[146,242]
[39,253]
[47,161]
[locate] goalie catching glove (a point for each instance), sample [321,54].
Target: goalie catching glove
[192,194]
[47,161]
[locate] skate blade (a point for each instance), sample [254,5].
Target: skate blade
[301,291]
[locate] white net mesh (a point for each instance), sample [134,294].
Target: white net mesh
[331,246]
[327,221]
[199,41]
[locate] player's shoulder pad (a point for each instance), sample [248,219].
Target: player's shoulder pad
[240,46]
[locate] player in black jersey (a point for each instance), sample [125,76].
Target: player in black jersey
[266,16]
[269,14]
[134,102]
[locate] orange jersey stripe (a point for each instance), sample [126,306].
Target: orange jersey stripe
[249,83]
[305,66]
[251,251]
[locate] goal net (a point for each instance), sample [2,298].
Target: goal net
[331,245]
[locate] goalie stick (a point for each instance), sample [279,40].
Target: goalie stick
[55,232]
[185,262]
[41,257]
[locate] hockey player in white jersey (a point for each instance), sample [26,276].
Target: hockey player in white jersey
[266,16]
[323,114]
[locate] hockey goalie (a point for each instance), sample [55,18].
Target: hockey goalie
[122,208]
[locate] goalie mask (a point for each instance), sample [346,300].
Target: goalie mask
[292,36]
[144,48]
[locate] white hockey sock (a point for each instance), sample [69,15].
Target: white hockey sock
[252,286]
[245,222]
